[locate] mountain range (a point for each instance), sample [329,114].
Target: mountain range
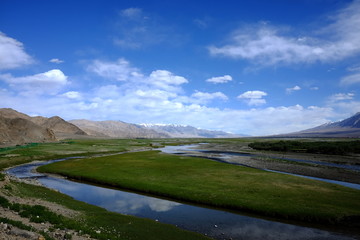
[347,128]
[19,128]
[116,129]
[185,131]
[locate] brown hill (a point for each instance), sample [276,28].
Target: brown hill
[19,128]
[116,129]
[61,128]
[11,113]
[21,131]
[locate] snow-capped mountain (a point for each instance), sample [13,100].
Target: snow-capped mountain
[185,131]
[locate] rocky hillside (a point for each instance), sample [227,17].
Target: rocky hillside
[347,128]
[116,129]
[20,131]
[19,128]
[180,131]
[61,128]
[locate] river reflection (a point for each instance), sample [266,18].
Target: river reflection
[214,223]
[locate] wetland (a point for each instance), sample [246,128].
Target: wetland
[234,191]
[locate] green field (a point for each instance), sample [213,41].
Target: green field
[92,218]
[217,184]
[16,155]
[183,178]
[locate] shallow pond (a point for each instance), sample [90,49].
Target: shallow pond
[214,223]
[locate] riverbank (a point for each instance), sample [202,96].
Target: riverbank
[57,216]
[216,184]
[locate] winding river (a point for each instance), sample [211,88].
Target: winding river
[212,222]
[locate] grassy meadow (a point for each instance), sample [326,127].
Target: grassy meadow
[221,185]
[178,177]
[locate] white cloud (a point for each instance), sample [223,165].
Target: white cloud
[204,97]
[154,94]
[12,53]
[121,70]
[72,95]
[341,97]
[132,13]
[253,94]
[56,60]
[253,98]
[133,108]
[43,83]
[159,97]
[291,90]
[351,79]
[166,80]
[266,45]
[223,79]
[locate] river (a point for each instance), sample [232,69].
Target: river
[212,222]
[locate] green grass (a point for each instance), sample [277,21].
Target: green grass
[217,184]
[16,155]
[92,218]
[10,156]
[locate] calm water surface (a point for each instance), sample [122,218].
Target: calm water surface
[214,223]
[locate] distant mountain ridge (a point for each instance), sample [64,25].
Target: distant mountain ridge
[116,129]
[119,129]
[19,128]
[185,131]
[348,128]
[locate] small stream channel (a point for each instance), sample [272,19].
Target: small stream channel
[214,223]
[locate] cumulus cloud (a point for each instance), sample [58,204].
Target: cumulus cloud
[204,97]
[12,53]
[267,45]
[56,60]
[49,82]
[158,97]
[223,79]
[166,80]
[253,98]
[291,90]
[121,70]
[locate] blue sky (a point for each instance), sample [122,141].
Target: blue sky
[250,67]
